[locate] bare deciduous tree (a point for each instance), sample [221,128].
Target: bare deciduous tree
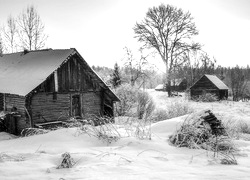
[135,67]
[10,32]
[169,31]
[238,82]
[31,29]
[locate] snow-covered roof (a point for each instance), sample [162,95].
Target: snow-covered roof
[22,72]
[159,87]
[216,81]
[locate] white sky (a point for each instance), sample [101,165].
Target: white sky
[100,29]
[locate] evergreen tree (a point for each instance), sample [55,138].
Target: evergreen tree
[115,77]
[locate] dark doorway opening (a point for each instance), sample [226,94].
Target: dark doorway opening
[76,106]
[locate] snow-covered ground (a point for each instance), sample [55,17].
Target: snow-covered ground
[36,157]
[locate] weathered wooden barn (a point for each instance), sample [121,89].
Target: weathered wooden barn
[209,84]
[50,85]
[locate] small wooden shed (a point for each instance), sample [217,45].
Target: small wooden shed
[209,84]
[176,85]
[50,85]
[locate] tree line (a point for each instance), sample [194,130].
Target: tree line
[143,75]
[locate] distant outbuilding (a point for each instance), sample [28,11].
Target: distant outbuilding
[160,87]
[176,85]
[209,84]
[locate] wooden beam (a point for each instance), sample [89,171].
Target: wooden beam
[56,80]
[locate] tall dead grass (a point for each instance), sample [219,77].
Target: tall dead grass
[173,109]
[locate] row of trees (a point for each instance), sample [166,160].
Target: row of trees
[136,73]
[23,32]
[139,74]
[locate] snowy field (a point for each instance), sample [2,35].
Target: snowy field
[226,110]
[36,157]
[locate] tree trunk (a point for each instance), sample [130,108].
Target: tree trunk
[168,82]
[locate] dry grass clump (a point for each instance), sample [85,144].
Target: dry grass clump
[145,106]
[244,127]
[10,157]
[138,128]
[105,131]
[33,131]
[198,133]
[237,129]
[206,97]
[227,159]
[142,129]
[174,109]
[67,161]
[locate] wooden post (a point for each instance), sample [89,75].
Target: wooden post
[56,80]
[81,104]
[70,105]
[4,102]
[102,101]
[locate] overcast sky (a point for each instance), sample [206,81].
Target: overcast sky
[100,29]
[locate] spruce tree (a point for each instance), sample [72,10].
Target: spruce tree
[116,79]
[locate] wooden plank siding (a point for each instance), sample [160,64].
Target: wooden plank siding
[45,108]
[91,102]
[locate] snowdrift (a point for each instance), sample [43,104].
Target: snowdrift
[36,157]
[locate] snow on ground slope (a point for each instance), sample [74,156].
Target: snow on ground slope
[6,136]
[37,157]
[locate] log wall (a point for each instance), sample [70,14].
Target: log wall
[47,107]
[91,102]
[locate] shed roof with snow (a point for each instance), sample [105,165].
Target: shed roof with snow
[217,82]
[22,72]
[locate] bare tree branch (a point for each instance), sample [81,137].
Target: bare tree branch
[10,32]
[31,29]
